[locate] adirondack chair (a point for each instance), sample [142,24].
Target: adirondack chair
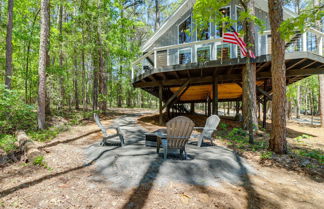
[179,130]
[106,137]
[207,133]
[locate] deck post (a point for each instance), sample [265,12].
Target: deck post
[155,59]
[304,41]
[237,107]
[264,123]
[209,107]
[320,45]
[160,104]
[192,107]
[215,95]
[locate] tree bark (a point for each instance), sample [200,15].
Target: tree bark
[75,82]
[250,119]
[61,56]
[298,102]
[42,63]
[321,98]
[8,73]
[27,146]
[278,143]
[157,15]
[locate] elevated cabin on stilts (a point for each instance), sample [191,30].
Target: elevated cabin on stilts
[197,67]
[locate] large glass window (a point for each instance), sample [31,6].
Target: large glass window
[203,54]
[239,26]
[311,42]
[185,31]
[223,51]
[185,56]
[219,28]
[203,32]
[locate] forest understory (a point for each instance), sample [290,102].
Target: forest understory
[70,184]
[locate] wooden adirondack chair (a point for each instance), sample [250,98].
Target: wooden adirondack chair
[207,133]
[179,130]
[106,136]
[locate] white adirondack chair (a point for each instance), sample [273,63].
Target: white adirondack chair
[106,136]
[207,133]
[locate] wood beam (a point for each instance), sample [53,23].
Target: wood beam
[176,94]
[266,94]
[263,66]
[215,95]
[152,78]
[307,66]
[295,64]
[234,78]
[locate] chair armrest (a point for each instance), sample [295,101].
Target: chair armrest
[195,128]
[178,137]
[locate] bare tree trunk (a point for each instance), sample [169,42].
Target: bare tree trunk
[278,142]
[42,63]
[321,98]
[61,56]
[8,73]
[298,102]
[157,15]
[75,82]
[250,118]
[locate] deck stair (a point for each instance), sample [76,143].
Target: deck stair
[296,36]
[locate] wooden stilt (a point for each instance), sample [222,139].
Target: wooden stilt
[215,96]
[264,124]
[160,105]
[209,106]
[192,107]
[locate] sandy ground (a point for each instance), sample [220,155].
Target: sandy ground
[73,182]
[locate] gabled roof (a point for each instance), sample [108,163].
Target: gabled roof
[185,7]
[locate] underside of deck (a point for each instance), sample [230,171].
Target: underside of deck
[196,82]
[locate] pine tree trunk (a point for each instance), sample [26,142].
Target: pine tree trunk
[278,143]
[42,63]
[157,15]
[298,102]
[321,99]
[61,56]
[75,82]
[250,119]
[8,73]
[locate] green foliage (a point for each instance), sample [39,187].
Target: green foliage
[44,135]
[301,137]
[237,134]
[40,161]
[14,113]
[266,155]
[315,154]
[7,142]
[306,19]
[223,126]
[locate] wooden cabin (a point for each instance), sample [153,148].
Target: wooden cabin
[197,67]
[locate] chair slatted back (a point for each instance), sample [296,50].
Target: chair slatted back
[103,130]
[179,130]
[210,126]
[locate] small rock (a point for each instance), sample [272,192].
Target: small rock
[304,163]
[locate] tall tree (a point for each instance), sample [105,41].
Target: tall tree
[9,45]
[44,34]
[249,74]
[278,142]
[157,15]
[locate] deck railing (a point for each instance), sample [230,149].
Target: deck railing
[150,60]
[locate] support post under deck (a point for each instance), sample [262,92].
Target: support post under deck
[264,124]
[160,104]
[215,95]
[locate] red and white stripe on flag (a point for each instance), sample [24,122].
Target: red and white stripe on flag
[233,38]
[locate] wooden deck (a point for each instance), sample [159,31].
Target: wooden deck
[202,75]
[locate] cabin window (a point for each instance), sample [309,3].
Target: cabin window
[219,28]
[223,51]
[203,54]
[239,25]
[311,42]
[203,32]
[185,56]
[184,31]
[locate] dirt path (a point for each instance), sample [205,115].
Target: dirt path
[72,183]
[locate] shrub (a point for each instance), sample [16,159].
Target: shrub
[223,126]
[14,113]
[7,142]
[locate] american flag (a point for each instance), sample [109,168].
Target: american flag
[233,38]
